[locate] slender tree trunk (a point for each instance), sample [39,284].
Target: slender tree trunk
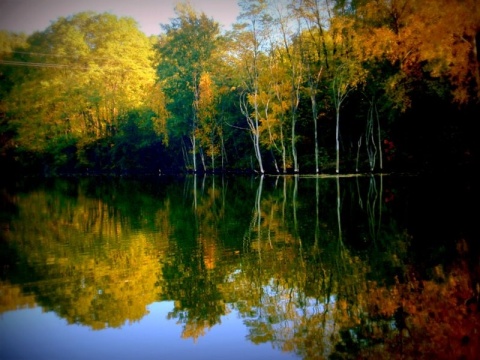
[202,158]
[196,94]
[213,161]
[185,154]
[274,161]
[253,124]
[340,93]
[284,151]
[379,138]
[282,140]
[359,145]
[272,144]
[294,147]
[194,152]
[223,152]
[369,139]
[257,134]
[315,126]
[195,193]
[313,84]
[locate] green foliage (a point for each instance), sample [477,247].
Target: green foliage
[186,52]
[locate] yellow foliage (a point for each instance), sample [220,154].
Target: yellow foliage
[12,297]
[436,35]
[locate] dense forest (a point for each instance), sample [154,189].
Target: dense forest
[296,86]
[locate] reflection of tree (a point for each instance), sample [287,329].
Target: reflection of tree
[189,274]
[81,259]
[256,221]
[288,262]
[372,205]
[274,288]
[12,298]
[432,318]
[199,305]
[312,297]
[276,309]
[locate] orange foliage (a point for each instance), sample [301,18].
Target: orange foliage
[433,318]
[437,36]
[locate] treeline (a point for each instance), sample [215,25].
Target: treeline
[306,86]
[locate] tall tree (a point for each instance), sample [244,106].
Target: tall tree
[347,71]
[251,38]
[186,50]
[274,110]
[288,29]
[316,53]
[208,129]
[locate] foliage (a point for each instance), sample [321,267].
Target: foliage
[283,77]
[186,49]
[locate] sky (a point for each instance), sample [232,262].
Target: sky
[29,16]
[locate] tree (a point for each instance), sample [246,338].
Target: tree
[274,110]
[84,73]
[157,102]
[347,72]
[289,56]
[208,129]
[316,54]
[250,37]
[186,49]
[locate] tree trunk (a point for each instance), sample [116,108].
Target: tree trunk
[194,151]
[315,129]
[253,124]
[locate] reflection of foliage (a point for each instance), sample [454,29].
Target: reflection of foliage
[295,292]
[337,318]
[188,275]
[281,313]
[97,254]
[413,318]
[434,318]
[199,303]
[80,259]
[12,298]
[102,292]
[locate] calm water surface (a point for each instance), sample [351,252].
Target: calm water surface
[208,267]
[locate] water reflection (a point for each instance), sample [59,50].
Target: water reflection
[317,267]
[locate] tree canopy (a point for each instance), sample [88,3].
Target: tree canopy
[311,86]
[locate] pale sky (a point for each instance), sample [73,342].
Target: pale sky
[29,16]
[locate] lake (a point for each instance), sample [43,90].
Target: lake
[212,267]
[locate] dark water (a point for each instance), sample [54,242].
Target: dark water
[240,268]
